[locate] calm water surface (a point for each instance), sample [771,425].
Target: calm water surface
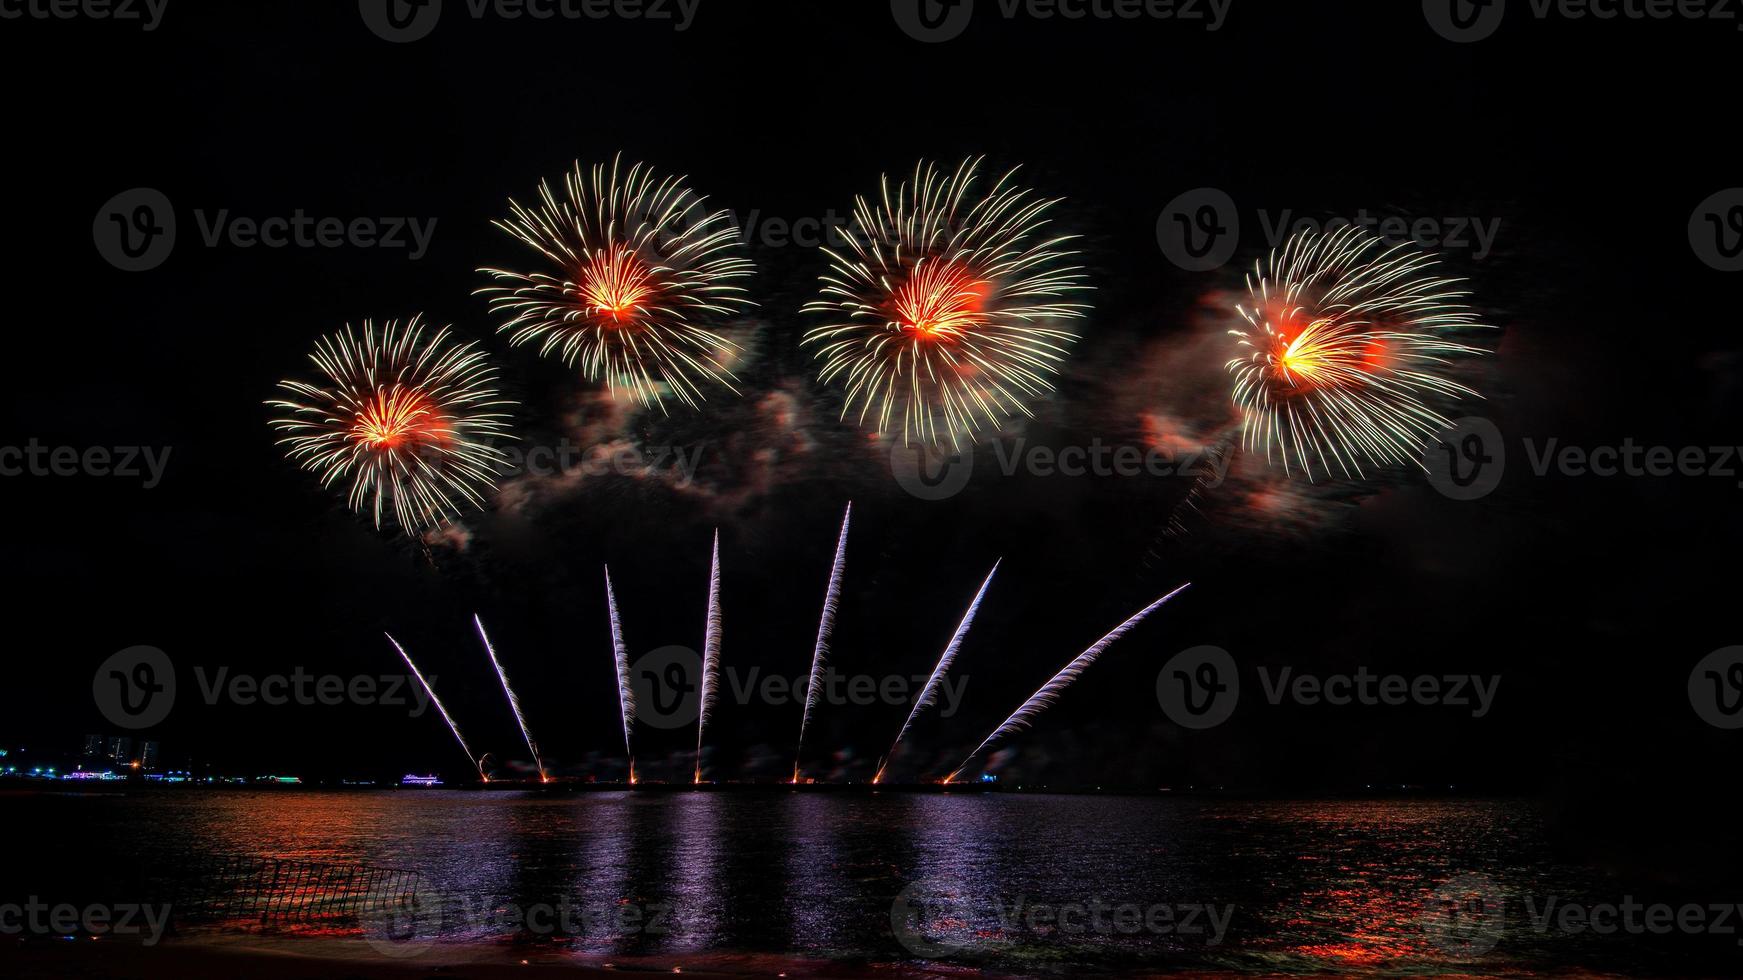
[1009,883]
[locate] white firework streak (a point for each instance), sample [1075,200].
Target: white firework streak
[407,422]
[635,265]
[513,701]
[944,310]
[1041,700]
[929,693]
[825,626]
[710,655]
[620,653]
[1346,338]
[434,700]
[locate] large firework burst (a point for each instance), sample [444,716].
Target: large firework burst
[636,267]
[406,419]
[945,305]
[1344,352]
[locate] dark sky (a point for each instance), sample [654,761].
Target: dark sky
[1592,598]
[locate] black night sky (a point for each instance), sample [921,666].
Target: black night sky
[1590,597]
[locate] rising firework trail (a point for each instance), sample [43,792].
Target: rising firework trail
[513,702]
[826,626]
[710,655]
[929,693]
[625,693]
[1344,353]
[406,422]
[439,706]
[631,271]
[946,306]
[1041,700]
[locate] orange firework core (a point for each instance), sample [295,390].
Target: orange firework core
[396,419]
[1312,352]
[614,283]
[940,299]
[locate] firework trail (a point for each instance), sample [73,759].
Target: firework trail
[710,655]
[825,626]
[513,702]
[625,693]
[929,693]
[1044,698]
[635,266]
[1344,343]
[945,305]
[439,706]
[405,419]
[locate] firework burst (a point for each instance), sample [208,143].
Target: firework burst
[711,633]
[1344,352]
[825,628]
[929,693]
[405,419]
[1044,698]
[636,267]
[945,306]
[431,691]
[625,690]
[520,717]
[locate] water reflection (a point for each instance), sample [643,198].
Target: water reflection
[999,882]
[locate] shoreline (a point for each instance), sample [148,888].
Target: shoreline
[292,957]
